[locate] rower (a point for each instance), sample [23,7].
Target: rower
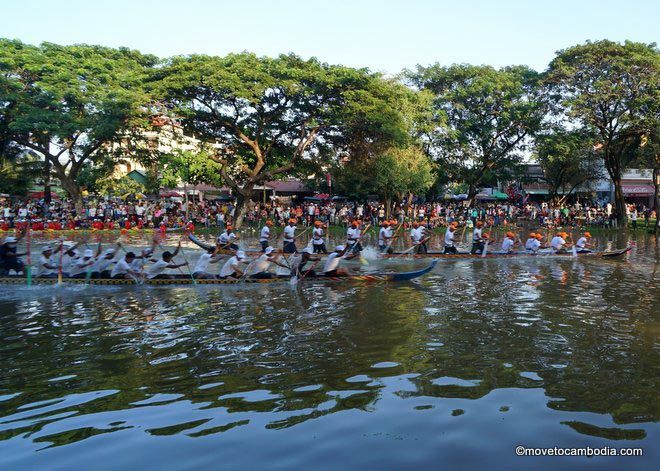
[290,237]
[138,262]
[122,269]
[210,256]
[306,258]
[558,242]
[535,245]
[508,242]
[531,240]
[227,238]
[331,267]
[80,266]
[69,257]
[353,236]
[477,239]
[259,269]
[156,271]
[449,238]
[317,238]
[422,247]
[582,244]
[101,268]
[9,257]
[231,268]
[385,238]
[47,267]
[417,237]
[264,238]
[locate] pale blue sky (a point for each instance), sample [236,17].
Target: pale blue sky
[385,35]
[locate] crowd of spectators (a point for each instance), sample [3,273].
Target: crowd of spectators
[118,214]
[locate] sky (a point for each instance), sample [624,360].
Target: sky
[384,35]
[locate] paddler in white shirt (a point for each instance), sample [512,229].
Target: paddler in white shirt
[318,243]
[558,242]
[227,238]
[331,267]
[582,245]
[231,269]
[157,269]
[353,236]
[477,239]
[264,237]
[290,237]
[200,272]
[47,266]
[258,269]
[385,238]
[509,242]
[449,238]
[419,238]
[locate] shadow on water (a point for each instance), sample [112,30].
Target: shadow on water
[458,367]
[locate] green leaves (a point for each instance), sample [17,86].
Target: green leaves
[483,117]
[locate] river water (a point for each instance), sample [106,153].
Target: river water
[452,370]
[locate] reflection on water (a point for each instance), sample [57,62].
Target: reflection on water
[456,368]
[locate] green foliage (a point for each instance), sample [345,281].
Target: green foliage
[613,91]
[192,168]
[18,172]
[393,174]
[483,117]
[72,104]
[567,159]
[271,114]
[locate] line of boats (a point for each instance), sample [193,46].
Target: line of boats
[353,278]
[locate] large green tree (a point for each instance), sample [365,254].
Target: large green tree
[72,104]
[568,161]
[613,91]
[484,118]
[266,116]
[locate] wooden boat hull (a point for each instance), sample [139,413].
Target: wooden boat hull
[366,278]
[440,255]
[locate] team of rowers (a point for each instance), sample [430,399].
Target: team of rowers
[65,260]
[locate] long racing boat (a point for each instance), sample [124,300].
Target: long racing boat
[460,255]
[186,280]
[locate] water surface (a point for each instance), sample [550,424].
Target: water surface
[455,369]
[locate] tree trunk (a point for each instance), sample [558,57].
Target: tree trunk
[472,192]
[242,197]
[620,204]
[75,193]
[46,177]
[388,207]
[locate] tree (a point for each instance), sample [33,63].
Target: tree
[613,91]
[568,161]
[192,168]
[485,117]
[18,171]
[402,172]
[267,115]
[72,104]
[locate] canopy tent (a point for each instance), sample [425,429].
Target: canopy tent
[496,195]
[137,176]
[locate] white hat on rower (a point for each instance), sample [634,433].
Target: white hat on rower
[339,248]
[109,252]
[10,240]
[46,248]
[308,250]
[68,244]
[240,254]
[268,250]
[88,253]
